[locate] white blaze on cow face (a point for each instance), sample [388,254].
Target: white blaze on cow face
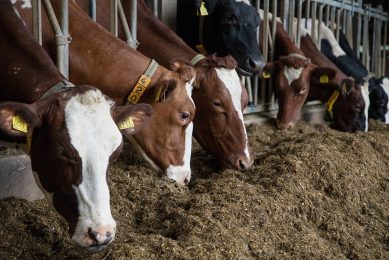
[385,86]
[365,94]
[231,80]
[182,173]
[95,136]
[292,74]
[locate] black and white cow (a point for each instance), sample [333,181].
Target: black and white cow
[230,28]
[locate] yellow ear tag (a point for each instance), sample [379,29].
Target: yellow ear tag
[19,124]
[266,75]
[324,79]
[201,49]
[129,123]
[203,10]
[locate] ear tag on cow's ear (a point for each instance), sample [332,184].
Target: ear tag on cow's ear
[203,10]
[266,75]
[19,124]
[324,79]
[129,123]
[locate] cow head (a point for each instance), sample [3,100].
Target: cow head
[218,124]
[231,29]
[72,138]
[292,75]
[378,94]
[349,109]
[166,140]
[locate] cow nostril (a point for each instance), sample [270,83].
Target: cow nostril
[108,234]
[242,165]
[252,63]
[92,234]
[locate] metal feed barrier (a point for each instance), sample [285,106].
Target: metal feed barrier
[359,22]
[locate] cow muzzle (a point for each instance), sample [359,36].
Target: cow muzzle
[242,163]
[285,126]
[181,174]
[95,238]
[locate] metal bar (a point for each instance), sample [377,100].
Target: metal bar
[133,22]
[247,83]
[155,8]
[265,46]
[313,22]
[273,30]
[318,44]
[307,11]
[358,39]
[332,18]
[290,17]
[65,32]
[114,17]
[384,48]
[58,34]
[256,79]
[327,18]
[285,14]
[92,9]
[126,29]
[365,52]
[338,26]
[37,20]
[298,31]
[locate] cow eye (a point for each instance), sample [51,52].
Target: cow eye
[217,103]
[230,19]
[184,115]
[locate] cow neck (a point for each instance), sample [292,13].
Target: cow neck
[284,45]
[121,65]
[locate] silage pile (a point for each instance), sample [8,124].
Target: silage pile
[313,192]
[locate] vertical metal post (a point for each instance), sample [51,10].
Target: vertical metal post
[37,20]
[272,50]
[133,23]
[298,31]
[313,22]
[256,79]
[338,26]
[65,33]
[374,47]
[357,42]
[318,44]
[384,48]
[290,17]
[92,9]
[327,18]
[155,8]
[265,46]
[365,52]
[285,14]
[114,17]
[307,12]
[332,18]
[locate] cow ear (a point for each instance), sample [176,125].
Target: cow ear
[131,118]
[346,87]
[269,70]
[16,120]
[322,74]
[209,5]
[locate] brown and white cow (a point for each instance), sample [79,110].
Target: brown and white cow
[100,59]
[218,94]
[71,135]
[348,110]
[292,73]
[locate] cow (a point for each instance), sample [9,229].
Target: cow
[98,58]
[229,28]
[344,58]
[378,88]
[292,73]
[218,94]
[345,98]
[70,132]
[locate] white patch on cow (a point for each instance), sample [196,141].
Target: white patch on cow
[327,34]
[244,1]
[365,94]
[385,86]
[182,173]
[231,80]
[48,195]
[95,136]
[25,3]
[291,74]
